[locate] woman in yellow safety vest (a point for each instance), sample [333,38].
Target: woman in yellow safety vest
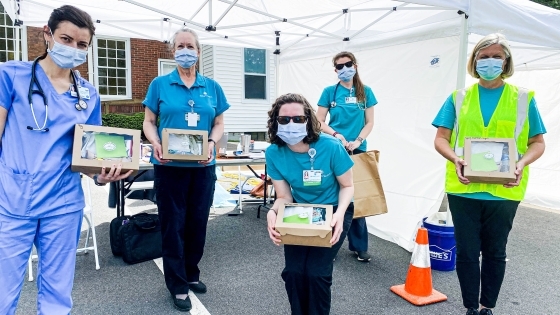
[483,213]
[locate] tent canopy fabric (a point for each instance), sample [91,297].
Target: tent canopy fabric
[412,53]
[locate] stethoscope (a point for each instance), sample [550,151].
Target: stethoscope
[80,105]
[333,103]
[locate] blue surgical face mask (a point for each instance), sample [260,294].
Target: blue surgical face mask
[66,57]
[185,57]
[292,133]
[490,68]
[346,74]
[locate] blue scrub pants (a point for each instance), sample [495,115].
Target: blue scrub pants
[308,274]
[184,196]
[56,239]
[358,233]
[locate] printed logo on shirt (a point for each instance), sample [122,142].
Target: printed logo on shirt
[204,94]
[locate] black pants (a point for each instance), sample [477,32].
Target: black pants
[184,197]
[308,274]
[481,226]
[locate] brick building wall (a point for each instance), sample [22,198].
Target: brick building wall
[144,55]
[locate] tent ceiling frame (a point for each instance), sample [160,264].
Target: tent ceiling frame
[307,35]
[537,59]
[375,21]
[198,10]
[126,29]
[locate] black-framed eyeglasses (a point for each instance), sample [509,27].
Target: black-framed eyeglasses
[348,64]
[284,120]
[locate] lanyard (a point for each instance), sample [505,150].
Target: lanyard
[312,152]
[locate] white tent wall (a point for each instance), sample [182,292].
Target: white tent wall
[410,91]
[544,180]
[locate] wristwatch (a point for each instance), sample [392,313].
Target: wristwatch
[96,182]
[360,139]
[212,140]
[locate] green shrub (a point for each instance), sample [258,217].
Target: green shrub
[133,121]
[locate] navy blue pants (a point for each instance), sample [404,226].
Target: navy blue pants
[308,274]
[481,226]
[184,197]
[358,234]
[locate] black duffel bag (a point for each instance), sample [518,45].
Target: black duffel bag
[140,238]
[114,238]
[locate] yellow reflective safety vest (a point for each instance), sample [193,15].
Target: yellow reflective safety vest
[510,120]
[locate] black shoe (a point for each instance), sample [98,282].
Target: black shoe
[182,305]
[199,287]
[363,256]
[485,311]
[472,311]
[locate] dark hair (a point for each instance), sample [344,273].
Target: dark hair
[313,124]
[73,15]
[358,85]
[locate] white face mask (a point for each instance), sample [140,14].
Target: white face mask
[292,133]
[66,57]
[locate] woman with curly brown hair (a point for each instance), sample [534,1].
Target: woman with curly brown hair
[299,148]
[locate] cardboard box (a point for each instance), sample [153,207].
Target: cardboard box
[184,145]
[84,155]
[298,229]
[490,160]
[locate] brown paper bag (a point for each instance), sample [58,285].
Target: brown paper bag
[369,198]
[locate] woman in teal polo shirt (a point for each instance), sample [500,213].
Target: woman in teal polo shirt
[184,99]
[298,149]
[350,105]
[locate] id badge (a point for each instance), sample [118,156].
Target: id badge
[192,119]
[312,177]
[84,92]
[350,100]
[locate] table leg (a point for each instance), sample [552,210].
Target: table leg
[265,201]
[239,201]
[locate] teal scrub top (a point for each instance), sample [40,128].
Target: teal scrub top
[168,98]
[36,180]
[488,99]
[331,158]
[348,119]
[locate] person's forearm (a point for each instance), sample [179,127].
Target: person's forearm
[534,151]
[366,130]
[443,148]
[150,131]
[326,128]
[345,198]
[280,201]
[217,132]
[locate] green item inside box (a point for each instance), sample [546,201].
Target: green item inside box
[296,219]
[483,162]
[110,146]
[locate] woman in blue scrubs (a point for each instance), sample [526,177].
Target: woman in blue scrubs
[307,166]
[41,199]
[350,105]
[184,99]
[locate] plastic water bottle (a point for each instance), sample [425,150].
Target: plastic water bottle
[504,168]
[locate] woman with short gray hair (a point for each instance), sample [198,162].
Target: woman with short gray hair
[483,213]
[184,99]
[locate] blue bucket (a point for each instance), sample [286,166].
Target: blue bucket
[442,246]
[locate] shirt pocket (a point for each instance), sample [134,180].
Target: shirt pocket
[505,129]
[15,191]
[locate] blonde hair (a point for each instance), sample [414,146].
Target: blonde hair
[488,40]
[171,44]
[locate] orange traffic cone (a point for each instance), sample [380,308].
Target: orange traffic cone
[417,288]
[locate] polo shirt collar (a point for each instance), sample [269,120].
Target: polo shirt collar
[176,79]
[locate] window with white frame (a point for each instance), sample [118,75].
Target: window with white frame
[113,74]
[10,43]
[166,66]
[255,73]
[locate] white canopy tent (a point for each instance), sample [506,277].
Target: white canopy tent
[412,53]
